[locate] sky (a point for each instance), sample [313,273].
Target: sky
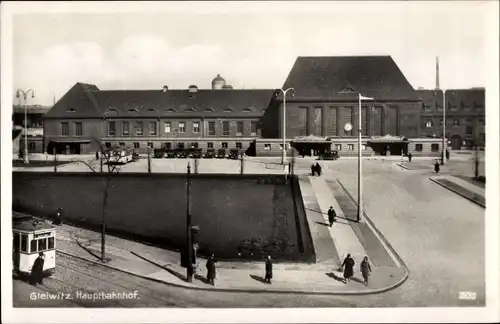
[252,45]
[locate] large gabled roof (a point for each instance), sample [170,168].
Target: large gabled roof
[78,102]
[336,77]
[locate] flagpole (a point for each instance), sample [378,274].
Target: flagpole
[360,190]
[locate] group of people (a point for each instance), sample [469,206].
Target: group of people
[211,270]
[348,266]
[316,169]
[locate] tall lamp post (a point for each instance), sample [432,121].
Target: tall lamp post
[283,156]
[189,247]
[25,96]
[360,165]
[443,156]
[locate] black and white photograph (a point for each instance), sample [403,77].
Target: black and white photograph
[253,161]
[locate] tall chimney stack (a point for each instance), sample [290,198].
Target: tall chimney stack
[437,73]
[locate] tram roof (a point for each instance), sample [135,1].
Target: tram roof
[29,224]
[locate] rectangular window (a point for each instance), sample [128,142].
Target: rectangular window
[428,124]
[24,243]
[434,147]
[468,130]
[152,128]
[180,145]
[136,145]
[107,144]
[194,145]
[303,120]
[224,145]
[317,121]
[338,147]
[427,107]
[363,147]
[33,246]
[418,147]
[456,123]
[138,130]
[238,145]
[31,145]
[225,128]
[350,147]
[78,129]
[168,127]
[64,129]
[182,127]
[210,145]
[196,127]
[267,147]
[239,128]
[150,144]
[122,144]
[167,145]
[42,244]
[126,128]
[253,128]
[211,128]
[50,244]
[111,128]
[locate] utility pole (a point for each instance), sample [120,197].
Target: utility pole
[189,245]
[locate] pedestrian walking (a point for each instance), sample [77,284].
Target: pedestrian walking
[436,167]
[58,220]
[313,170]
[37,270]
[348,266]
[211,269]
[331,215]
[97,156]
[410,156]
[318,169]
[447,153]
[269,269]
[365,269]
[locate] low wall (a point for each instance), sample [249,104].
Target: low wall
[231,210]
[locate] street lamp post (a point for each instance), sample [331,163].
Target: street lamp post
[283,156]
[359,217]
[443,155]
[189,247]
[25,96]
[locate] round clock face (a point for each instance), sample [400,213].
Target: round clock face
[348,127]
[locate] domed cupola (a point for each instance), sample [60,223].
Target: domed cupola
[218,82]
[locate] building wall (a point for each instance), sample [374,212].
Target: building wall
[426,147]
[93,130]
[378,119]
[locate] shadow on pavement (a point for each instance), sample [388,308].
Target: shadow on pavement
[175,273]
[258,278]
[334,276]
[89,251]
[201,278]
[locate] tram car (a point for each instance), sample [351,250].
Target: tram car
[30,237]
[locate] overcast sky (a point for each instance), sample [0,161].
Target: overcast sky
[252,45]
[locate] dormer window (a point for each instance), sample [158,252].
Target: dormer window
[133,110]
[227,110]
[189,109]
[151,110]
[209,110]
[169,110]
[71,110]
[249,109]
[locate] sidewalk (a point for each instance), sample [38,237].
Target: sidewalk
[462,187]
[330,244]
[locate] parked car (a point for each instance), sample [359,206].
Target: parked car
[329,155]
[170,154]
[234,154]
[181,153]
[209,154]
[195,153]
[221,153]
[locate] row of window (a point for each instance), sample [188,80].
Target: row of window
[451,107]
[65,129]
[456,123]
[180,145]
[338,147]
[36,245]
[434,147]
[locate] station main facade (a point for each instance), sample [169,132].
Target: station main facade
[325,100]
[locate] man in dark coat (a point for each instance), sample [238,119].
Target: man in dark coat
[436,167]
[269,269]
[447,154]
[58,220]
[331,215]
[318,169]
[409,157]
[211,269]
[313,170]
[37,270]
[97,155]
[348,266]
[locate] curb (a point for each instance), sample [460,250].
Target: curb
[239,290]
[457,192]
[382,237]
[401,166]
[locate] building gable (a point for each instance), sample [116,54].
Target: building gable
[78,102]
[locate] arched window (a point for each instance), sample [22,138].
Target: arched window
[133,110]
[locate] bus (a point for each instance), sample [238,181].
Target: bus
[121,156]
[30,237]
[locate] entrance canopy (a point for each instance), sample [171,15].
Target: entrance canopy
[388,139]
[311,139]
[71,141]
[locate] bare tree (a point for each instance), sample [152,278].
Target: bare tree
[112,169]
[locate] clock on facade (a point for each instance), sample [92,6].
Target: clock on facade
[348,127]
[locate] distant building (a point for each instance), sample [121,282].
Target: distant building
[34,131]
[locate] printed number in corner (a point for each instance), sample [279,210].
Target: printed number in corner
[467,295]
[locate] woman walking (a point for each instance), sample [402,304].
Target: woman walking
[211,269]
[348,266]
[365,270]
[269,269]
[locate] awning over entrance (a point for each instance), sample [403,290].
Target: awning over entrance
[310,139]
[388,139]
[70,141]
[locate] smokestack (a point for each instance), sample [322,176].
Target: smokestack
[437,73]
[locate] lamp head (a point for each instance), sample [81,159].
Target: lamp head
[32,94]
[18,95]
